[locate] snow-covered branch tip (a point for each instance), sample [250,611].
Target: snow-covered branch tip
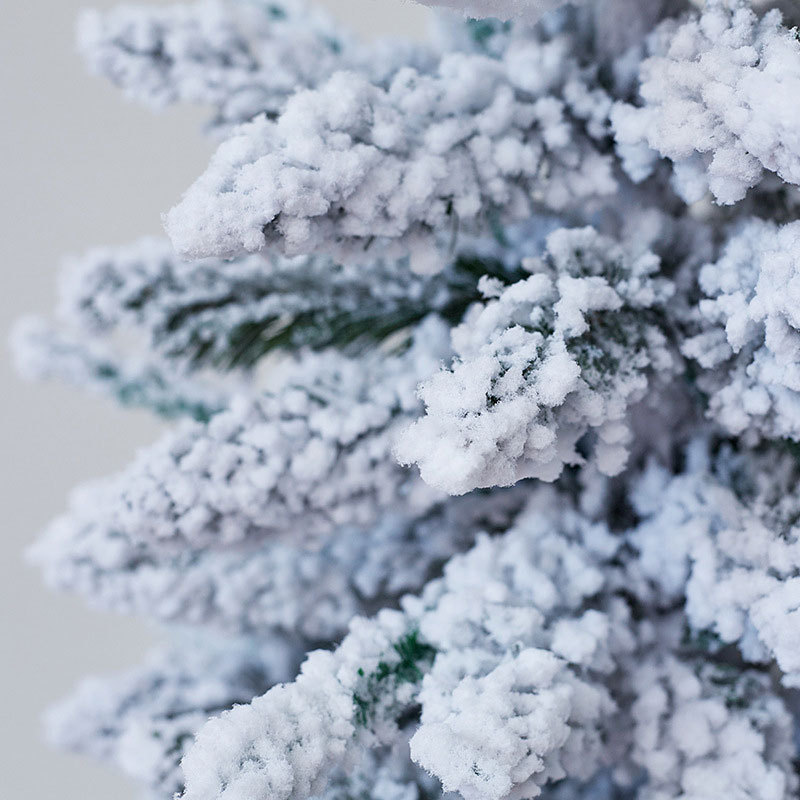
[746,340]
[724,536]
[145,719]
[228,315]
[45,351]
[530,589]
[545,361]
[716,100]
[309,595]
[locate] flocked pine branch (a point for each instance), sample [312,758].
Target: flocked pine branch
[295,463]
[144,720]
[529,634]
[241,57]
[529,10]
[471,254]
[353,164]
[748,342]
[45,351]
[500,656]
[732,550]
[546,360]
[710,730]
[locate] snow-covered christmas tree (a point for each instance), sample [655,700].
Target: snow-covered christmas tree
[484,355]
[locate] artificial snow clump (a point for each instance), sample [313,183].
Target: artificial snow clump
[710,731]
[748,346]
[726,538]
[714,97]
[546,360]
[514,698]
[241,57]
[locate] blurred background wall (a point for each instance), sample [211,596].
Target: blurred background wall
[79,166]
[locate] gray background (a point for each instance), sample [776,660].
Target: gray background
[78,166]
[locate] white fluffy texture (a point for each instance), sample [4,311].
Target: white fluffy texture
[582,640]
[241,57]
[145,719]
[749,347]
[716,99]
[285,744]
[703,731]
[296,463]
[385,774]
[521,707]
[545,360]
[353,163]
[512,700]
[309,594]
[737,564]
